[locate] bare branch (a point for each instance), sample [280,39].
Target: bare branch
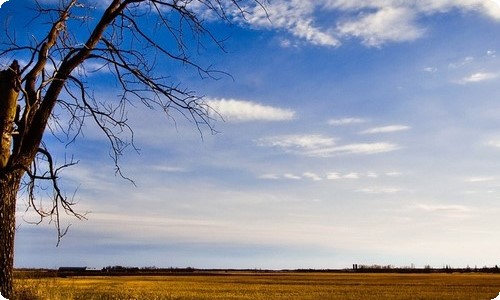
[54,86]
[44,169]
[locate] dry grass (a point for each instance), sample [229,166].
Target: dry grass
[265,286]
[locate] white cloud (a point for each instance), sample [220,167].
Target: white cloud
[356,175]
[291,176]
[233,110]
[462,62]
[345,121]
[306,175]
[269,176]
[478,77]
[295,16]
[312,176]
[480,179]
[351,175]
[298,141]
[430,69]
[316,177]
[375,22]
[492,8]
[494,143]
[333,176]
[169,169]
[337,176]
[304,29]
[322,146]
[386,129]
[388,24]
[366,148]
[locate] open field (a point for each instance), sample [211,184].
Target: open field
[264,286]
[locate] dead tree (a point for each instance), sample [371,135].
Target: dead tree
[52,77]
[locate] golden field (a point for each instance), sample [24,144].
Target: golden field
[264,286]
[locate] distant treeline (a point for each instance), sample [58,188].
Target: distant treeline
[426,269]
[155,271]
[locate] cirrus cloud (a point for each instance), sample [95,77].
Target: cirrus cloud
[374,22]
[233,110]
[388,24]
[386,129]
[296,17]
[345,121]
[323,146]
[478,77]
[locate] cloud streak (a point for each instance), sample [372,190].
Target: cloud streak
[233,110]
[381,190]
[386,129]
[327,176]
[478,77]
[345,121]
[443,208]
[323,146]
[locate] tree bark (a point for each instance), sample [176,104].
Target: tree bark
[9,185]
[9,91]
[9,179]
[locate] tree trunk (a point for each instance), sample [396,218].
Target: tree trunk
[9,179]
[9,185]
[9,91]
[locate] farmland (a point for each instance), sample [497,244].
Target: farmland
[254,285]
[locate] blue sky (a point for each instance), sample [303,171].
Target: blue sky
[354,132]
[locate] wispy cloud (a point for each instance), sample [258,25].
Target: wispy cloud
[351,176]
[333,176]
[386,129]
[430,69]
[358,175]
[269,176]
[374,22]
[296,17]
[326,176]
[168,169]
[478,77]
[292,176]
[323,146]
[308,142]
[312,176]
[381,190]
[366,148]
[480,179]
[233,110]
[462,62]
[387,24]
[442,208]
[494,143]
[345,121]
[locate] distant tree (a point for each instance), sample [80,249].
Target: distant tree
[51,79]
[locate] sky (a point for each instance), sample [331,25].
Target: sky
[355,131]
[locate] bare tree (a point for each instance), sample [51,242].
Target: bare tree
[52,80]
